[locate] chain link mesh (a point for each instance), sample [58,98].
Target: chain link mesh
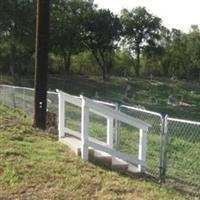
[23,99]
[183,155]
[153,136]
[73,117]
[128,141]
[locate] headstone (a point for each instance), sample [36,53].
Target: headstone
[127,94]
[154,101]
[96,96]
[173,78]
[151,77]
[172,100]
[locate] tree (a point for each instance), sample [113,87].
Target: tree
[66,28]
[122,64]
[41,63]
[17,34]
[176,53]
[140,30]
[156,57]
[102,31]
[193,49]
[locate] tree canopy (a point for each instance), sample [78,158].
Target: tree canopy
[141,29]
[102,32]
[134,43]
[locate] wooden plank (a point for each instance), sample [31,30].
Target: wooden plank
[61,116]
[115,153]
[109,112]
[142,149]
[71,99]
[84,130]
[110,132]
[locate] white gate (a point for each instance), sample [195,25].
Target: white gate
[87,105]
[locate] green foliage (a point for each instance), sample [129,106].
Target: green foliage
[85,64]
[55,63]
[181,54]
[67,29]
[122,64]
[17,35]
[102,31]
[78,30]
[141,29]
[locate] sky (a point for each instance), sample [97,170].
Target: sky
[179,14]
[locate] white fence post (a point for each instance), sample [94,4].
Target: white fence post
[61,115]
[110,132]
[117,128]
[142,149]
[84,129]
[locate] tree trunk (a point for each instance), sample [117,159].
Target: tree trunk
[67,62]
[137,65]
[12,61]
[105,65]
[41,63]
[105,74]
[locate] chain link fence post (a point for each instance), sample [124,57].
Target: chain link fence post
[164,144]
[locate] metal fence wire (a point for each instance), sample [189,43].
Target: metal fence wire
[153,136]
[22,98]
[173,152]
[183,153]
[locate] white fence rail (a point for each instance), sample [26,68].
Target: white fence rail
[87,106]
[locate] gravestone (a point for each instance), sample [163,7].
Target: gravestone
[172,100]
[154,100]
[151,77]
[96,96]
[128,94]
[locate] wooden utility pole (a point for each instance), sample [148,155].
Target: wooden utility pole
[41,63]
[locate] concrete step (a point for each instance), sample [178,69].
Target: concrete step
[99,157]
[102,158]
[132,169]
[73,143]
[119,164]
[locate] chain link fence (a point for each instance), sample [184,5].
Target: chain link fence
[22,98]
[153,136]
[173,152]
[183,154]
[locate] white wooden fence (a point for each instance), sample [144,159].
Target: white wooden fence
[87,105]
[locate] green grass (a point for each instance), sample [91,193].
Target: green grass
[183,149]
[181,164]
[143,91]
[33,165]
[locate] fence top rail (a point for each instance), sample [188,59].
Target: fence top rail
[17,87]
[106,103]
[70,98]
[109,112]
[24,88]
[184,121]
[142,110]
